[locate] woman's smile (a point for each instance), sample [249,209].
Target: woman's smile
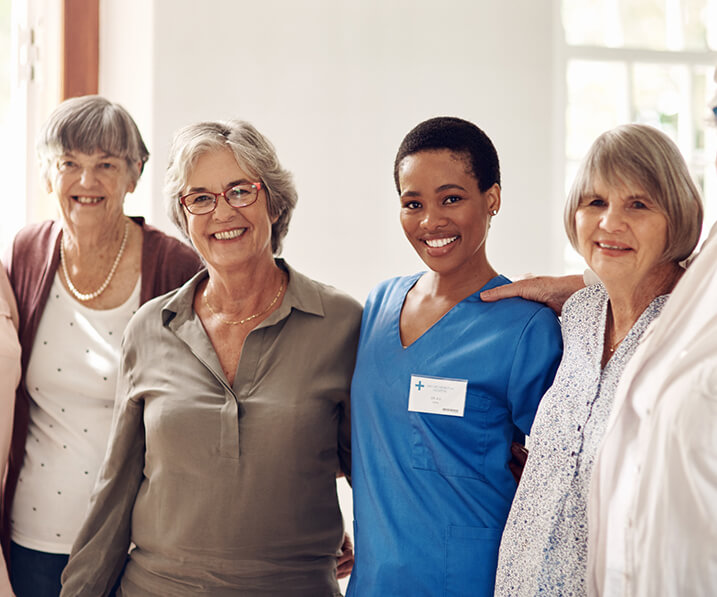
[84,200]
[228,237]
[229,234]
[97,180]
[621,232]
[444,214]
[437,243]
[613,248]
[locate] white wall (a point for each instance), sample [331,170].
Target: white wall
[336,84]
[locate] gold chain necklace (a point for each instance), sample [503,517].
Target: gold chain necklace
[243,321]
[613,346]
[84,297]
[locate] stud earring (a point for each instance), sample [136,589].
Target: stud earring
[494,212]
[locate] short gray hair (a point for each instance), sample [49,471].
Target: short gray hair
[87,124]
[253,152]
[642,155]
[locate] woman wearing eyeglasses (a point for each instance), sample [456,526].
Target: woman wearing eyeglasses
[232,416]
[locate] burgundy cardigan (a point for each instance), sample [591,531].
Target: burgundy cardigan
[34,257]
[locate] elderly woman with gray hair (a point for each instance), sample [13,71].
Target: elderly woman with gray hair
[633,213]
[232,413]
[77,280]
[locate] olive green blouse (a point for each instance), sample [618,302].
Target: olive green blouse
[224,489]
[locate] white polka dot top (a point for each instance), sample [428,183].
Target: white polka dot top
[71,379]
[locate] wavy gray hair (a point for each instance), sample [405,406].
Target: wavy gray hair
[253,152]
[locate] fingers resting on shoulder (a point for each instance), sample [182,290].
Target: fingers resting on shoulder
[552,291]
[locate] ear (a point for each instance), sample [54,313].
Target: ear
[492,198]
[48,186]
[272,218]
[133,185]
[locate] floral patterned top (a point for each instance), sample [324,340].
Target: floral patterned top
[544,544]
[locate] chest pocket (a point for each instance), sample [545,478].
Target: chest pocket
[452,446]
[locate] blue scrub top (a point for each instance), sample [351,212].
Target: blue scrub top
[432,492]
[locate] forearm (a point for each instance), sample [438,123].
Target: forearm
[9,378]
[5,588]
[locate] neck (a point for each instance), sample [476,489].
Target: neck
[244,289]
[628,302]
[92,243]
[88,270]
[457,285]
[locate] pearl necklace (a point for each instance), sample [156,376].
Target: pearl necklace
[80,296]
[243,321]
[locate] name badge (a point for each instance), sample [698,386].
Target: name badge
[437,395]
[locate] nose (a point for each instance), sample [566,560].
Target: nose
[432,218]
[224,211]
[613,219]
[87,177]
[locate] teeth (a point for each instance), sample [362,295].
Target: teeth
[229,234]
[88,200]
[605,246]
[436,243]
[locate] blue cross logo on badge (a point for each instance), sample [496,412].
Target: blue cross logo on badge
[420,385]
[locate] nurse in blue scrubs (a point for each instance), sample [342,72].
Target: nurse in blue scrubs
[444,382]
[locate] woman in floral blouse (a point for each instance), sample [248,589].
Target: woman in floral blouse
[633,213]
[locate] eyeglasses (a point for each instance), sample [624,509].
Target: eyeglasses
[205,202]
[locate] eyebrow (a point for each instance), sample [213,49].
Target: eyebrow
[628,198]
[448,186]
[443,187]
[74,154]
[227,186]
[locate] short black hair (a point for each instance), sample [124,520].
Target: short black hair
[458,136]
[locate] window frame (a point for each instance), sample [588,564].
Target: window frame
[628,56]
[80,47]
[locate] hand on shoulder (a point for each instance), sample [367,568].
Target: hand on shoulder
[552,291]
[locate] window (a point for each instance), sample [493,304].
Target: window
[647,61]
[48,50]
[7,130]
